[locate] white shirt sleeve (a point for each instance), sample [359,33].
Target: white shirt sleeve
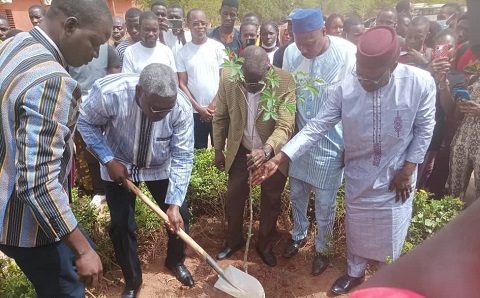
[424,122]
[316,128]
[171,59]
[180,61]
[128,66]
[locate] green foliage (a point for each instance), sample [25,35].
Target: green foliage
[429,216]
[207,190]
[208,186]
[13,283]
[234,63]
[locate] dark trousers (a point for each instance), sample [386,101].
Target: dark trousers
[94,169]
[237,194]
[50,268]
[201,131]
[122,229]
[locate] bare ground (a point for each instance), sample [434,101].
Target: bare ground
[290,278]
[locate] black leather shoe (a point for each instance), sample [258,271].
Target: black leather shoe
[183,275]
[268,257]
[129,292]
[320,263]
[294,246]
[227,251]
[346,283]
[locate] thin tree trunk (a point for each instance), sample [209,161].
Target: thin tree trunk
[250,224]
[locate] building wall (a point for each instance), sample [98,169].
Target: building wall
[19,10]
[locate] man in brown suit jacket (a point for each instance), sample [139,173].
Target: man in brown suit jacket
[251,141]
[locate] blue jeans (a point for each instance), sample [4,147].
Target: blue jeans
[50,268]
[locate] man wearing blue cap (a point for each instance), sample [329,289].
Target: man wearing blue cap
[387,111]
[320,169]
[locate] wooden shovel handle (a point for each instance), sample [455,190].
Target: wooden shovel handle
[184,236]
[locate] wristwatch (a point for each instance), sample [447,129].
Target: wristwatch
[267,153]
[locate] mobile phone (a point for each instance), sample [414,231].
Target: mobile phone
[441,51]
[251,42]
[175,23]
[462,94]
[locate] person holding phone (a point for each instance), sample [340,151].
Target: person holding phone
[433,172]
[248,36]
[176,37]
[465,155]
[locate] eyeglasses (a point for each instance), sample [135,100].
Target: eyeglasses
[362,79]
[160,111]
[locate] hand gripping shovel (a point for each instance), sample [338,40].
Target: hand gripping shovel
[231,281]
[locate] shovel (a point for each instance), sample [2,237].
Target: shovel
[231,281]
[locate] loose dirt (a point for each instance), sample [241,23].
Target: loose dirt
[290,278]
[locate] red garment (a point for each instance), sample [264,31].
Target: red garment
[385,293]
[376,47]
[468,62]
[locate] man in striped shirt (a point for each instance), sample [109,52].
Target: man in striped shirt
[141,129]
[38,111]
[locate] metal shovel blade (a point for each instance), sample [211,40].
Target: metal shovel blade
[244,285]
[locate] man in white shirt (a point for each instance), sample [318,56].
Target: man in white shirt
[176,37]
[149,50]
[198,65]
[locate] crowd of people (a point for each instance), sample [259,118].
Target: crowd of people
[397,109]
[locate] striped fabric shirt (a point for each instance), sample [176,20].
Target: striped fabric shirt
[321,165]
[121,49]
[38,112]
[114,127]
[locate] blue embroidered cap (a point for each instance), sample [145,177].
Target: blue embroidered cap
[307,20]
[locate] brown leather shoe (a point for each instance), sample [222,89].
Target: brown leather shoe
[346,283]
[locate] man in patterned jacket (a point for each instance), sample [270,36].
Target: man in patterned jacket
[251,141]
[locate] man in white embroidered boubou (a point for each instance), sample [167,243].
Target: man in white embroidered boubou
[388,114]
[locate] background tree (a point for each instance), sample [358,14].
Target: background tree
[276,10]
